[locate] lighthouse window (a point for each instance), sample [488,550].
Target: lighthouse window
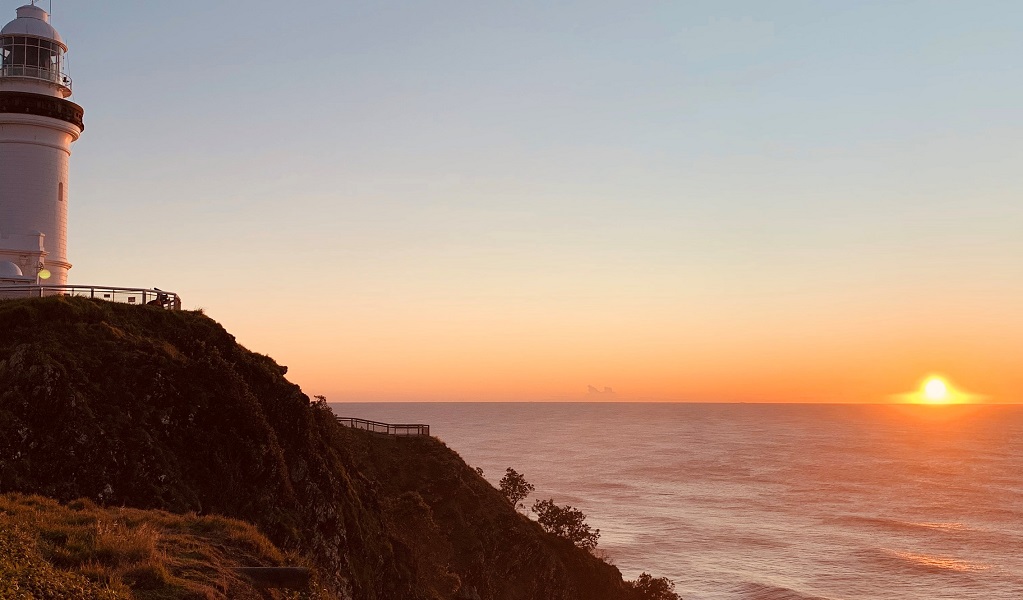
[22,56]
[19,55]
[60,192]
[32,55]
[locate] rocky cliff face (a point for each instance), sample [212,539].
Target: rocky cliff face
[136,406]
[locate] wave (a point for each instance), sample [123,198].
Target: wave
[896,524]
[766,591]
[932,563]
[804,498]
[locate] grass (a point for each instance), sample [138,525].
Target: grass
[80,551]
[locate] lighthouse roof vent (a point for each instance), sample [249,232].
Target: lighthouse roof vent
[33,21]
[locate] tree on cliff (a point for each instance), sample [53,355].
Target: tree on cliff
[515,488]
[654,588]
[566,522]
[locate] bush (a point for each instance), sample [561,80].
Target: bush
[651,588]
[515,488]
[566,522]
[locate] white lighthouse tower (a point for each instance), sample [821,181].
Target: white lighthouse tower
[37,127]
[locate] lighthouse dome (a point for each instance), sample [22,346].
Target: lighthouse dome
[9,269]
[33,21]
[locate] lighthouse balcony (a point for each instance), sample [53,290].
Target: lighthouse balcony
[40,73]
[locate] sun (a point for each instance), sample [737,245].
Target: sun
[936,391]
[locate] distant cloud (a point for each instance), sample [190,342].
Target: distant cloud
[606,392]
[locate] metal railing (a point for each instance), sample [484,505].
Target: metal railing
[401,430]
[139,296]
[51,75]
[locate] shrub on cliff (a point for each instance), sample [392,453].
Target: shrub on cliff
[649,587]
[566,522]
[515,488]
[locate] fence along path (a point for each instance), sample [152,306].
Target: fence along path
[138,296]
[401,430]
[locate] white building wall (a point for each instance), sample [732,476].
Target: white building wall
[34,155]
[32,87]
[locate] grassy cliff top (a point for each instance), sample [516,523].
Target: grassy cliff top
[83,552]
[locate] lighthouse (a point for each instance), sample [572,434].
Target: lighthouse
[38,124]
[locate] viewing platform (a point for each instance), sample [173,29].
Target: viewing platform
[148,297]
[399,430]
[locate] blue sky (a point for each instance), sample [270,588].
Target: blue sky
[466,179]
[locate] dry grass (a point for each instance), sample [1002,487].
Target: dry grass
[126,553]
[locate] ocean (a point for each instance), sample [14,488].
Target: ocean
[769,502]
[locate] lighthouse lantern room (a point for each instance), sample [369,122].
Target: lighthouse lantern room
[37,127]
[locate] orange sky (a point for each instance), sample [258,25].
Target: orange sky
[698,201]
[782,349]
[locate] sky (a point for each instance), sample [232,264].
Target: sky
[787,201]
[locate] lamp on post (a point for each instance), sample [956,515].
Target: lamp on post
[42,273]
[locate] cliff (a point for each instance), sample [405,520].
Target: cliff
[141,407]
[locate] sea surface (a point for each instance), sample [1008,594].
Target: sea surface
[769,502]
